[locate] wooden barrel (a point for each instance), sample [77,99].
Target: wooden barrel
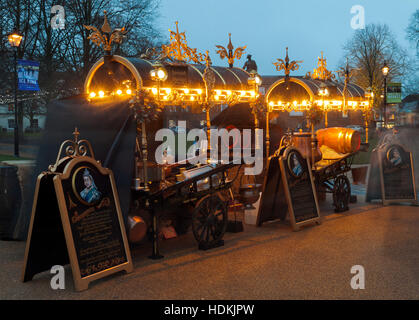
[302,141]
[342,140]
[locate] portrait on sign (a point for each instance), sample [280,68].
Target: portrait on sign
[394,157]
[84,186]
[295,165]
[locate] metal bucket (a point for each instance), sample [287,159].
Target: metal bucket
[342,140]
[137,229]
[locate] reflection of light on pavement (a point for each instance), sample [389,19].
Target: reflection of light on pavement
[358,189]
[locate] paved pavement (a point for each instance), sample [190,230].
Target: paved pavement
[270,262]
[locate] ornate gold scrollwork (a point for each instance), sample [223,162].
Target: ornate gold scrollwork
[73,148]
[286,65]
[229,53]
[178,49]
[321,72]
[106,36]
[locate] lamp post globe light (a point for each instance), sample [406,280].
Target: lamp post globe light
[385,71]
[14,40]
[158,74]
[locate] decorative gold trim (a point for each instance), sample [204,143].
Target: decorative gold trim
[229,53]
[125,62]
[291,79]
[321,71]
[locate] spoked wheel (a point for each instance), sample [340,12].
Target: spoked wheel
[341,193]
[209,221]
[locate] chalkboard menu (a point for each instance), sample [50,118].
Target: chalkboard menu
[76,218]
[397,174]
[93,218]
[288,187]
[273,204]
[299,189]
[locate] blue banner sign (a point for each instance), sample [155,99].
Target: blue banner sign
[28,72]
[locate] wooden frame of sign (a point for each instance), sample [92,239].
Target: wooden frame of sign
[299,188]
[69,224]
[396,174]
[273,204]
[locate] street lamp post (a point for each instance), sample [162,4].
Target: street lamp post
[14,39]
[385,71]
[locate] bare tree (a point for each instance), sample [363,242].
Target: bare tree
[413,30]
[367,50]
[411,81]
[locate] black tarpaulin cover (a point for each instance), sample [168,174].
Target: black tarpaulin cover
[107,126]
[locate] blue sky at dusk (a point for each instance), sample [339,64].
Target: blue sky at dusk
[307,27]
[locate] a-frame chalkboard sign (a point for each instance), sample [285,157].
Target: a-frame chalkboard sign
[289,187]
[76,218]
[303,207]
[392,175]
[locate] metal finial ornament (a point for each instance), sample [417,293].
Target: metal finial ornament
[286,65]
[178,49]
[106,36]
[321,72]
[76,134]
[106,28]
[229,53]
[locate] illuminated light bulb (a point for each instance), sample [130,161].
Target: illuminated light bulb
[242,93]
[294,103]
[252,93]
[161,74]
[192,98]
[119,91]
[199,91]
[129,91]
[153,73]
[168,90]
[218,92]
[186,91]
[271,103]
[165,98]
[101,94]
[228,92]
[217,97]
[154,91]
[92,94]
[304,103]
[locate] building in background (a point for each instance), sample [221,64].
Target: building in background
[33,123]
[409,111]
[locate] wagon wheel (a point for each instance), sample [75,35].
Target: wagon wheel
[341,193]
[209,220]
